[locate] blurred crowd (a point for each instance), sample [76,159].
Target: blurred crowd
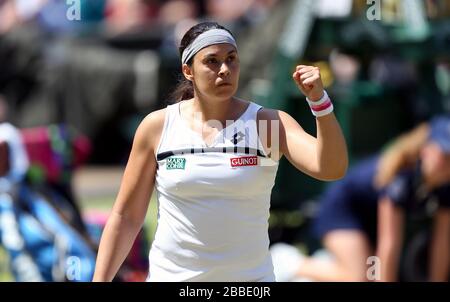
[116,17]
[57,57]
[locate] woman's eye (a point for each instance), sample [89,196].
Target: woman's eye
[231,59]
[211,61]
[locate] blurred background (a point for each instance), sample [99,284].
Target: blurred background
[77,77]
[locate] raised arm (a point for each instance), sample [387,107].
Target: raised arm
[323,157]
[130,208]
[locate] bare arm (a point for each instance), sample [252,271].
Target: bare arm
[440,247]
[323,157]
[130,208]
[390,238]
[401,153]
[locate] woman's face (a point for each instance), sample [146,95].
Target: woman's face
[215,71]
[435,164]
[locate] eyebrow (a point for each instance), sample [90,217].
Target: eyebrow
[215,55]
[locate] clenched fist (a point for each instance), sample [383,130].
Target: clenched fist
[309,82]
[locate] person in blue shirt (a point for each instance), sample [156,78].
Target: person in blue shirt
[363,215]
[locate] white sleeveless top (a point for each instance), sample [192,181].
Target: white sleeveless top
[213,203]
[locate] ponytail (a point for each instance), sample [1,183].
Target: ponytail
[183,91]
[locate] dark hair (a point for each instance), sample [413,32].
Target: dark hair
[185,89]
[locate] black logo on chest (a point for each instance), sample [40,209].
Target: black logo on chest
[238,137]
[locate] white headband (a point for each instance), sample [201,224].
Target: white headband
[210,37]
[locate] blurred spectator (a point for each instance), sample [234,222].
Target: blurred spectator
[14,158]
[130,15]
[228,11]
[401,77]
[239,13]
[345,67]
[176,17]
[39,230]
[56,16]
[16,12]
[175,11]
[408,178]
[49,15]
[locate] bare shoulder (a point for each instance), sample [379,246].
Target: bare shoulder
[268,114]
[155,119]
[150,129]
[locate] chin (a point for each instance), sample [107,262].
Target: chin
[222,96]
[226,92]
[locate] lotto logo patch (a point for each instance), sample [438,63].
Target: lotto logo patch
[176,163]
[244,161]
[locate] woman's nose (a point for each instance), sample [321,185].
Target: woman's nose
[224,70]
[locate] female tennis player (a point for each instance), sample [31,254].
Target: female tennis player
[213,158]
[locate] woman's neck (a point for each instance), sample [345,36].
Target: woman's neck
[217,110]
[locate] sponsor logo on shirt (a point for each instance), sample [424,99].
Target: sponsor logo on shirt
[176,163]
[244,161]
[238,137]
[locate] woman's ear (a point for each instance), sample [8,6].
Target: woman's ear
[187,72]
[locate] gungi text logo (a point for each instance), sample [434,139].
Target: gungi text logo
[174,163]
[244,161]
[74,10]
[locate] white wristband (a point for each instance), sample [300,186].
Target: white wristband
[321,107]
